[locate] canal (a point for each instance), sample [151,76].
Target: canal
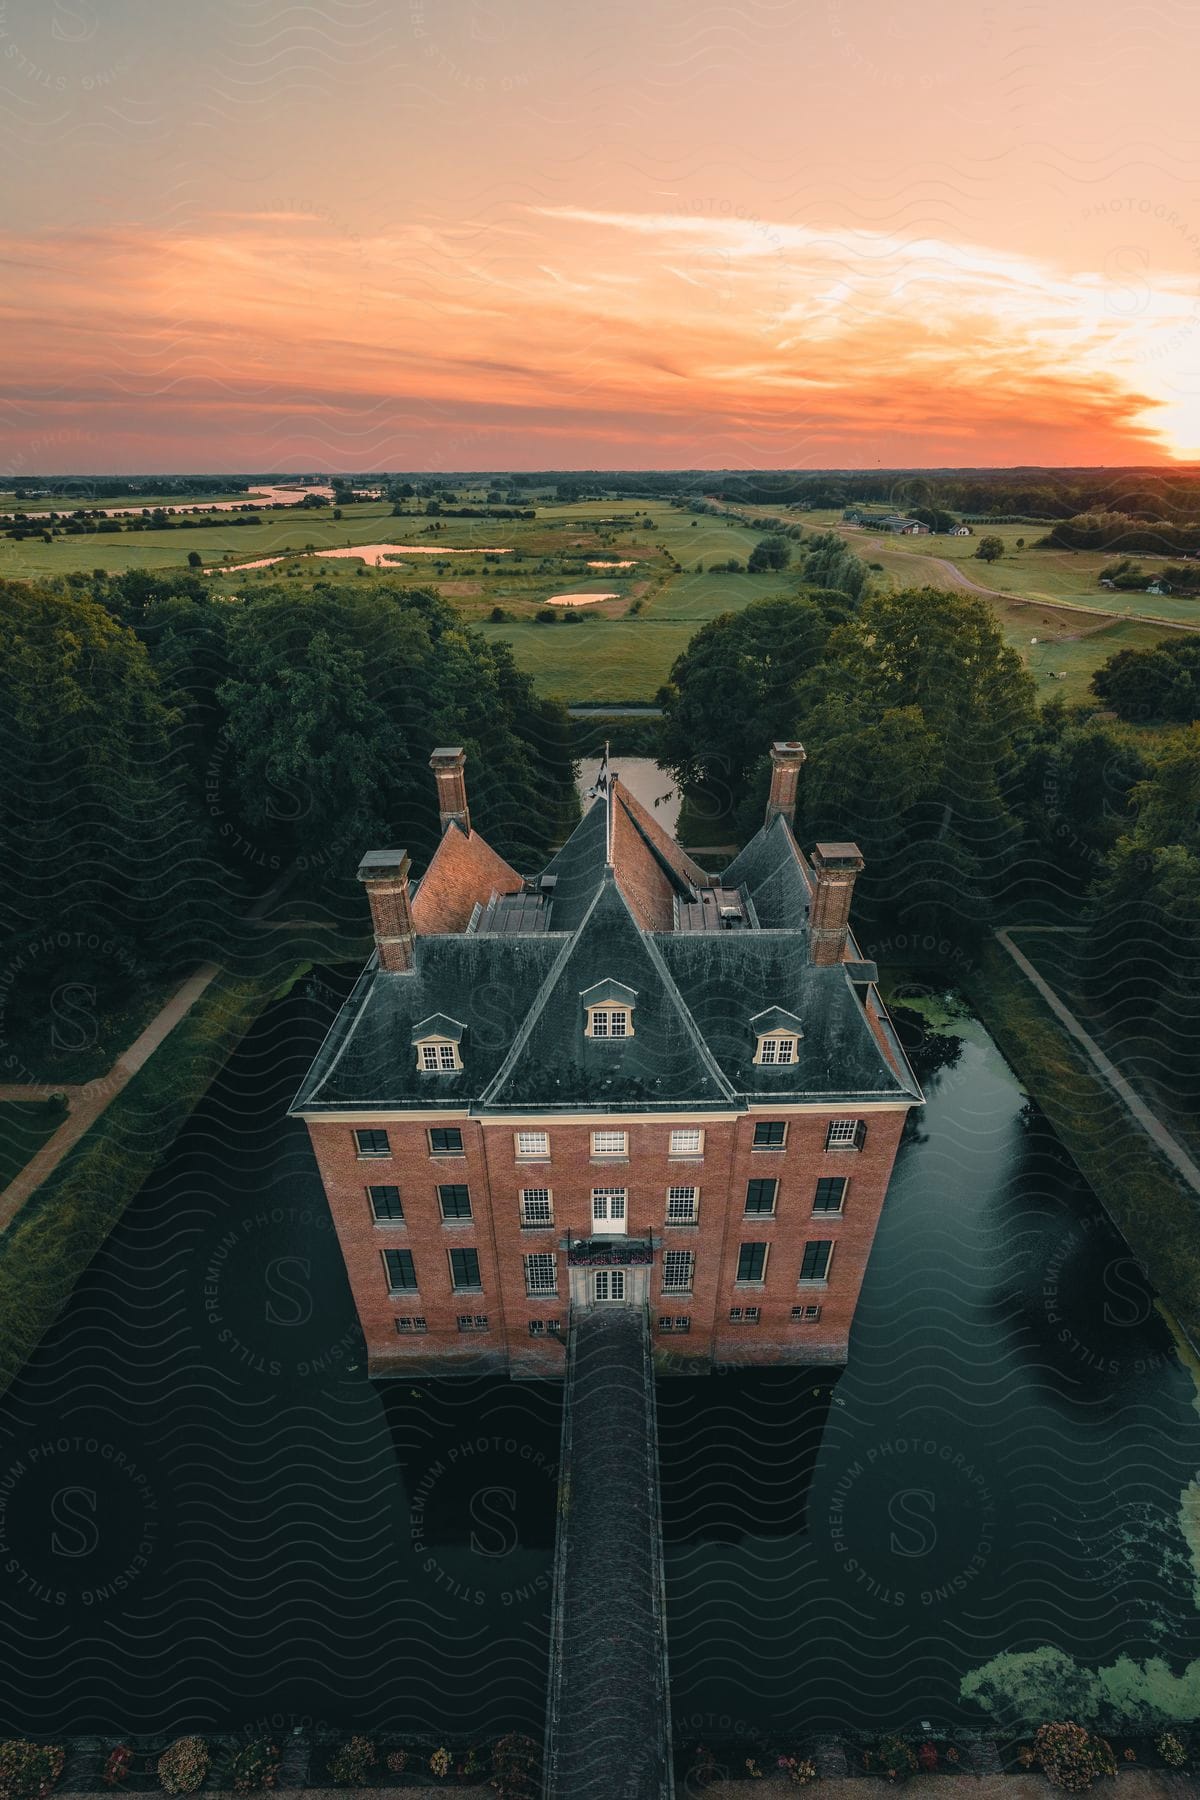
[208,1516]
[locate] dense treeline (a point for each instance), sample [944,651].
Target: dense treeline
[169,752]
[971,805]
[121,487]
[1049,494]
[1126,531]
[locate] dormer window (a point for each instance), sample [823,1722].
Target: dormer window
[437,1041]
[608,1009]
[778,1034]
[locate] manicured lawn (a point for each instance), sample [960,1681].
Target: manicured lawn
[1140,1055]
[24,1127]
[1154,1211]
[63,1224]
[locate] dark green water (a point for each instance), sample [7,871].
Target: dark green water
[209,1517]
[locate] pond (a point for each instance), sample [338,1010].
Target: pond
[209,1517]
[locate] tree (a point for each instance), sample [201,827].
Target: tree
[830,563]
[938,661]
[334,701]
[1144,919]
[195,560]
[1159,683]
[98,835]
[773,552]
[736,687]
[989,548]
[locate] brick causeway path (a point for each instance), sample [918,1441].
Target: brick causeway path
[90,1100]
[609,1734]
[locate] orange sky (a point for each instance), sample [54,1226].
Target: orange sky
[412,234]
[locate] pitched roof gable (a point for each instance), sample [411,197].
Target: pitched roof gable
[773,871]
[687,872]
[552,1063]
[578,869]
[727,979]
[640,875]
[464,872]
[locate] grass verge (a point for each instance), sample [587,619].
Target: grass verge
[1139,1191]
[59,1231]
[24,1127]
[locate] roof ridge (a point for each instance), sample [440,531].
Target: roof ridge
[693,1029]
[652,832]
[543,994]
[558,969]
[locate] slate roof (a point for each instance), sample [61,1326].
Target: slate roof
[520,997]
[664,1062]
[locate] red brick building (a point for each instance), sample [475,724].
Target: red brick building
[621,1082]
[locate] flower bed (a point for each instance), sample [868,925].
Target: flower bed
[511,1764]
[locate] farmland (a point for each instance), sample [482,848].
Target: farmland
[661,569]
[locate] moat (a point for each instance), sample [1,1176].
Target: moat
[208,1516]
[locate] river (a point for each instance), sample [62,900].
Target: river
[208,1516]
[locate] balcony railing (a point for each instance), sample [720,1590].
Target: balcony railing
[610,1252]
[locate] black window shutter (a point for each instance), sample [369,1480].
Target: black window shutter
[860,1133]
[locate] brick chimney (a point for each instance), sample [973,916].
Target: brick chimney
[385,873]
[786,763]
[448,766]
[836,867]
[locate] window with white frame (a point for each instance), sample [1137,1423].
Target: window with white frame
[682,1205]
[608,1206]
[776,1048]
[537,1206]
[845,1134]
[532,1145]
[437,1056]
[744,1315]
[541,1273]
[675,1322]
[610,1143]
[609,1022]
[677,1271]
[687,1141]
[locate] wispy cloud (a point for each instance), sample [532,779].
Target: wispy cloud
[727,339]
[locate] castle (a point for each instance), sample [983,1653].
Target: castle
[621,1082]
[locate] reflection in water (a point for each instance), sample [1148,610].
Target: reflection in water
[1003,1458]
[209,1516]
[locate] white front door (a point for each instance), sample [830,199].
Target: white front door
[608,1212]
[609,1284]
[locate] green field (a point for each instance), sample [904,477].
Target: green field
[614,653]
[1070,577]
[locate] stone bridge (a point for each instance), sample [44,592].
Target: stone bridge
[608,1732]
